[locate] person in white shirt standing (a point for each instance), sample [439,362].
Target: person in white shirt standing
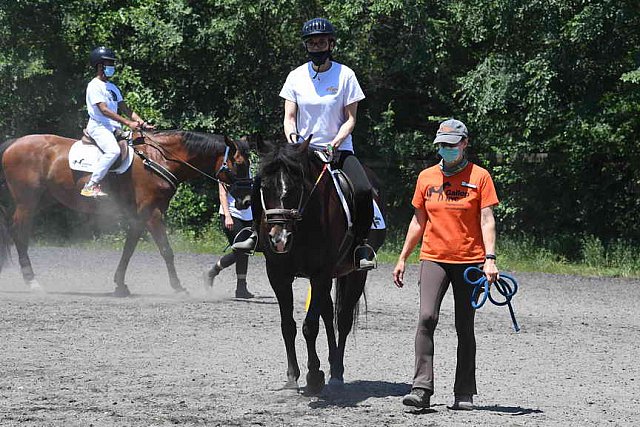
[104,101]
[321,99]
[233,221]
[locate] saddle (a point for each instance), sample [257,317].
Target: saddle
[122,138]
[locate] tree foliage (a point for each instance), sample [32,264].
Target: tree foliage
[550,89]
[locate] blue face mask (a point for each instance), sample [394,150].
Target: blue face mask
[109,70]
[449,154]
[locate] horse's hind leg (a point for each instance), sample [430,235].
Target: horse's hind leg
[135,230]
[349,289]
[158,230]
[21,229]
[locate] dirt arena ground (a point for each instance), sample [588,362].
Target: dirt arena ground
[79,357]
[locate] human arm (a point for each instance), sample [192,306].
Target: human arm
[351,112]
[122,106]
[290,119]
[102,106]
[488,226]
[224,203]
[414,235]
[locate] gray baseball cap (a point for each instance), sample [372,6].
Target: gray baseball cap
[451,132]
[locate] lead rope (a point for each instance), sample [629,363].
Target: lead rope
[506,286]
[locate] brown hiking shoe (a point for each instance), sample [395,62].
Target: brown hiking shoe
[419,397]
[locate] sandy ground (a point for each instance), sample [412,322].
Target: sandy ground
[79,357]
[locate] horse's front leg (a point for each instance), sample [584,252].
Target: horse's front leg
[158,230]
[282,287]
[327,318]
[320,289]
[135,230]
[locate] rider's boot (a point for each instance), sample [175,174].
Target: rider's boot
[365,257]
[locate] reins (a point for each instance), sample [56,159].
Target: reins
[148,140]
[506,286]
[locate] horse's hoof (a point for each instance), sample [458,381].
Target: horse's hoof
[121,291]
[315,382]
[336,383]
[291,385]
[181,291]
[35,286]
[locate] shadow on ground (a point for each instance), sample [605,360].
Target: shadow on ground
[351,394]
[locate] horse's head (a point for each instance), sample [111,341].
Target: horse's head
[283,174]
[191,154]
[234,171]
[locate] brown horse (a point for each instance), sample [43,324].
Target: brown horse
[35,170]
[304,233]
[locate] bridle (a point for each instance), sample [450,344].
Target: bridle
[283,216]
[235,182]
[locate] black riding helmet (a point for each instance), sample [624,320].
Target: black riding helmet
[317,26]
[100,54]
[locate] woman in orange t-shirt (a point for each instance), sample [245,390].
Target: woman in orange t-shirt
[453,216]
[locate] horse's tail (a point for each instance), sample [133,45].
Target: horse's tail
[348,301]
[5,210]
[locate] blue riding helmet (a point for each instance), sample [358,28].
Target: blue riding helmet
[100,54]
[317,26]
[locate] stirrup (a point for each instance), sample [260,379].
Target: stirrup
[364,257]
[248,244]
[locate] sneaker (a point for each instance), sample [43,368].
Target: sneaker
[462,402]
[92,190]
[243,293]
[247,245]
[419,397]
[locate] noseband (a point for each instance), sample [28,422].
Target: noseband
[283,216]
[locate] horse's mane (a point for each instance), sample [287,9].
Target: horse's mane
[203,143]
[282,156]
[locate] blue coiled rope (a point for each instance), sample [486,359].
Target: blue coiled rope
[506,286]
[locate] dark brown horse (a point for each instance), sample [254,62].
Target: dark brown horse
[305,227]
[35,171]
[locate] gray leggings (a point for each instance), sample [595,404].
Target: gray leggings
[434,282]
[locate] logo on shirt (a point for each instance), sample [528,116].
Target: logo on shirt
[438,190]
[445,194]
[332,90]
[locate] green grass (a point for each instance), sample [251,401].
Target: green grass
[520,254]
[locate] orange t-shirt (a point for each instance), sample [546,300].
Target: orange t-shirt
[453,205]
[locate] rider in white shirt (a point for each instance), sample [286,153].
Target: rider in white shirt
[321,99]
[104,100]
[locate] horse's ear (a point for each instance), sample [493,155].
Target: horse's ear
[262,146]
[305,144]
[230,142]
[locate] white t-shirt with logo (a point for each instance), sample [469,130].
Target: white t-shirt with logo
[321,101]
[107,92]
[243,214]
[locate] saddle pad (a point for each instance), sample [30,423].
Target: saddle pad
[378,220]
[83,157]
